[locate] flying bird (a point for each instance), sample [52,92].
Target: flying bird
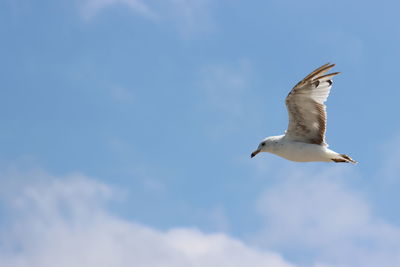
[304,140]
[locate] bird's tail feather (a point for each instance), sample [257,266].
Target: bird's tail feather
[344,158]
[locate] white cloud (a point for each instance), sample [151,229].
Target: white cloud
[122,94]
[225,87]
[316,214]
[64,222]
[90,8]
[190,15]
[390,173]
[226,94]
[187,15]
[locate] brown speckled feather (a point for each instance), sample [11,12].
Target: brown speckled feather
[305,105]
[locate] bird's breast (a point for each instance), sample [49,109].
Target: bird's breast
[300,152]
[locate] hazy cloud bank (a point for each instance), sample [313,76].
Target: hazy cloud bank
[64,221]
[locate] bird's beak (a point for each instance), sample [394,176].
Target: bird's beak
[255,153]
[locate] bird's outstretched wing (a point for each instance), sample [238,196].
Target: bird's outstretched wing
[305,105]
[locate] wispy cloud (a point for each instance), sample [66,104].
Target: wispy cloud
[188,16]
[64,221]
[225,87]
[316,214]
[226,93]
[390,173]
[90,8]
[191,15]
[122,94]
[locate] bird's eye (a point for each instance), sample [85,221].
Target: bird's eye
[263,144]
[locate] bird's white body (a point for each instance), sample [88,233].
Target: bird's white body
[298,151]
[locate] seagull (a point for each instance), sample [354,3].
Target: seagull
[304,140]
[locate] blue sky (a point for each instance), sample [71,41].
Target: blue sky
[136,118]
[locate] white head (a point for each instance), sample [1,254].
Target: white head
[265,145]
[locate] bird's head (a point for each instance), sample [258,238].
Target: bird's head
[264,146]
